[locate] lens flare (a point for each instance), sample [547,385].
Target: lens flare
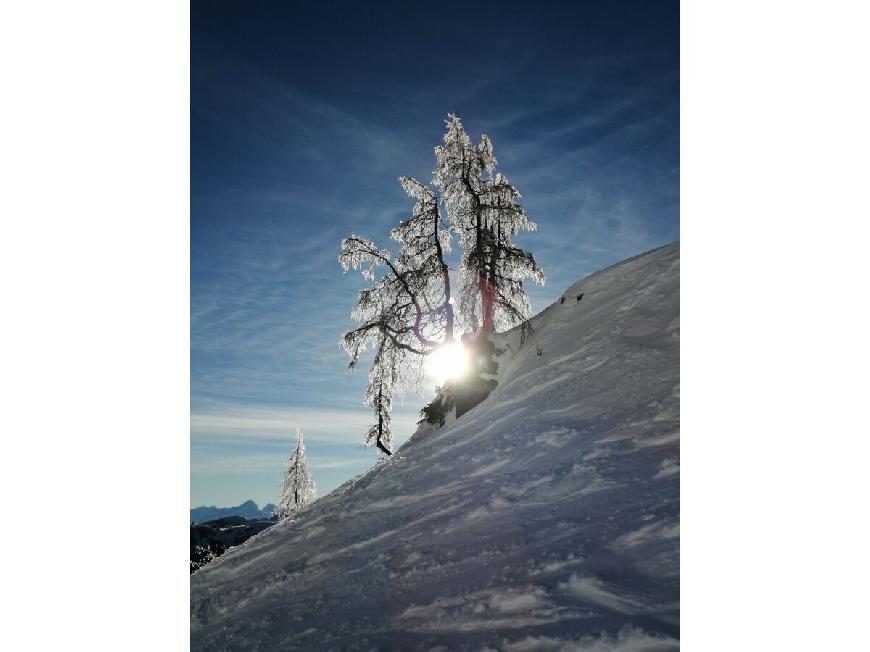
[448,361]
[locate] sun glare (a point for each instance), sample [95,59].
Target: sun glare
[447,362]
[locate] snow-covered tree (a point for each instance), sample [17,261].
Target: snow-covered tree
[460,168]
[504,298]
[405,314]
[298,488]
[408,312]
[482,209]
[424,240]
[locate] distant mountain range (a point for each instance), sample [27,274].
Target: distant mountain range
[247,509]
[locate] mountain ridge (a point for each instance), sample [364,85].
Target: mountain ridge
[248,509]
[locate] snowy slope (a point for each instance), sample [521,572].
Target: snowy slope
[547,518]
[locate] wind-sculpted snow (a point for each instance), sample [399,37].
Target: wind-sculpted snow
[546,518]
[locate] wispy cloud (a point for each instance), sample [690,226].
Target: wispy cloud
[235,464]
[227,423]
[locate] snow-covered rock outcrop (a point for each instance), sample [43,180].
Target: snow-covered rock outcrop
[546,518]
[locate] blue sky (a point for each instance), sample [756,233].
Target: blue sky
[303,115]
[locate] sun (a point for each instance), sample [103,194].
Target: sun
[447,362]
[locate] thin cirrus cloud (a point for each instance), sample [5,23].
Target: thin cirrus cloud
[244,464]
[223,424]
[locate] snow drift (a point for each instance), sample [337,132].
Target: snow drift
[546,518]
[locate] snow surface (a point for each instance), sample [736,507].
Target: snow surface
[546,518]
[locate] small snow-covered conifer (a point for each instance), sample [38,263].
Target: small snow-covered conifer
[298,488]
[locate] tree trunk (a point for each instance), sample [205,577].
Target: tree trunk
[383,448]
